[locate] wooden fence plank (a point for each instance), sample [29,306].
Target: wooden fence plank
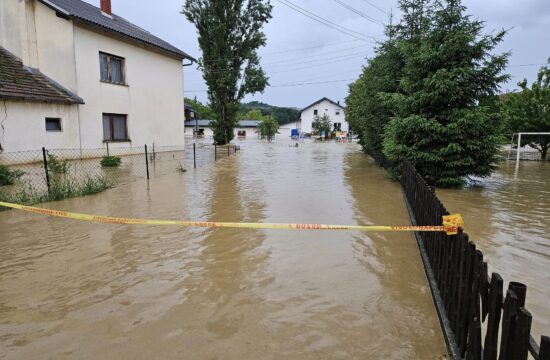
[508,316]
[464,295]
[495,308]
[544,352]
[522,332]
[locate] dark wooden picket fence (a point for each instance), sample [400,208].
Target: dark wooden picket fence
[464,294]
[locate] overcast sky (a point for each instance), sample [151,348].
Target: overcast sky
[303,51]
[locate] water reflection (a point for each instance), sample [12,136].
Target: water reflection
[508,217]
[392,257]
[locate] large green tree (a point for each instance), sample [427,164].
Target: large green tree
[229,34]
[529,111]
[450,65]
[365,112]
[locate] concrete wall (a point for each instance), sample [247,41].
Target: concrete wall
[324,107]
[24,126]
[152,98]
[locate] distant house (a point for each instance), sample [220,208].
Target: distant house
[333,109]
[245,128]
[76,76]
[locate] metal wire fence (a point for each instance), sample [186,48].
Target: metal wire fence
[52,174]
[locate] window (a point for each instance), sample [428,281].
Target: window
[337,112]
[315,112]
[337,126]
[115,127]
[111,68]
[53,124]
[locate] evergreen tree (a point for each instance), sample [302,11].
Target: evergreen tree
[529,111]
[439,125]
[229,34]
[365,112]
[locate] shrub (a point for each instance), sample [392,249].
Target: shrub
[57,166]
[8,176]
[60,189]
[111,161]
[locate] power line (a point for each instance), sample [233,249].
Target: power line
[313,83]
[304,80]
[290,84]
[323,62]
[324,21]
[376,7]
[316,65]
[298,49]
[521,65]
[362,14]
[309,48]
[318,57]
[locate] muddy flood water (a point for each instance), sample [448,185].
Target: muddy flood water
[72,289]
[508,217]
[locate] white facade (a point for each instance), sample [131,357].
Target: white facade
[25,126]
[67,51]
[325,106]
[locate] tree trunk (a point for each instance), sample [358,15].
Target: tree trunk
[544,153]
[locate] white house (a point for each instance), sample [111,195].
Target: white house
[76,76]
[244,129]
[334,110]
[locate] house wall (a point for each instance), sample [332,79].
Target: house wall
[152,98]
[324,107]
[55,40]
[17,30]
[286,130]
[24,126]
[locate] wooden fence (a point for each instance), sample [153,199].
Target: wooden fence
[464,294]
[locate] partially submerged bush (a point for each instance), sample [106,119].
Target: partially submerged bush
[111,161]
[8,176]
[60,188]
[57,166]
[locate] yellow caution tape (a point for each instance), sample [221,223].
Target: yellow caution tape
[450,229]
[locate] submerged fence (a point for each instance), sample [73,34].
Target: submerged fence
[51,174]
[464,295]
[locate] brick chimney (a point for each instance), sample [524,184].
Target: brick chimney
[106,6]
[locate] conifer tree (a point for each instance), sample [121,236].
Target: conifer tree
[439,125]
[365,112]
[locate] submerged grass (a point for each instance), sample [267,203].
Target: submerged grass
[61,187]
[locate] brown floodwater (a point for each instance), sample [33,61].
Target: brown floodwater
[72,289]
[508,217]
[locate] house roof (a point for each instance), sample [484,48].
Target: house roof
[318,101]
[80,10]
[206,123]
[19,82]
